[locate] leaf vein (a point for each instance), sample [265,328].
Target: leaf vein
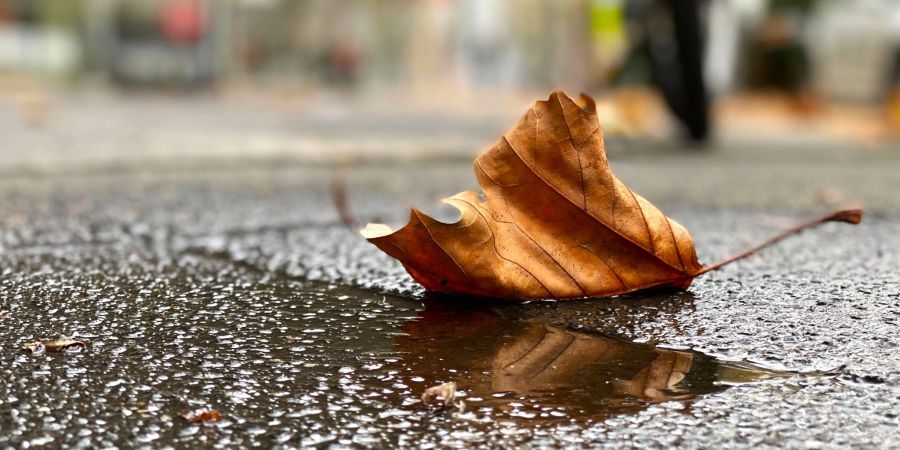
[607,226]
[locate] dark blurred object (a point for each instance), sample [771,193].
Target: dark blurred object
[778,57]
[668,36]
[344,62]
[21,11]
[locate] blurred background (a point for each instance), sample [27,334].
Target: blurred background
[113,83]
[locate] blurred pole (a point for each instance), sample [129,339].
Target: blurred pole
[693,107]
[670,33]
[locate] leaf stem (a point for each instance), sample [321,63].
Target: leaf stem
[850,215]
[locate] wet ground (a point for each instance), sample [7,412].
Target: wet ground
[239,291]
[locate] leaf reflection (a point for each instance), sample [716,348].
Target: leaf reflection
[511,365]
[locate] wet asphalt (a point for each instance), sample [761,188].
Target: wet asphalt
[239,291]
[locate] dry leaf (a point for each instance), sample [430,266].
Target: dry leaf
[54,345]
[201,415]
[555,221]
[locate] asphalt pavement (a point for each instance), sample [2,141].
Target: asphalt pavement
[229,284]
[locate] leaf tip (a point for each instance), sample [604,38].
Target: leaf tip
[375,230]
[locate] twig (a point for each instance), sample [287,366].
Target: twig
[339,194]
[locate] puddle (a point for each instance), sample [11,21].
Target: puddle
[534,370]
[291,362]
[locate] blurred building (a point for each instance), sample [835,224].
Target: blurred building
[846,50]
[344,42]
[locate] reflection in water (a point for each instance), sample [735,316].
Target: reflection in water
[536,370]
[548,359]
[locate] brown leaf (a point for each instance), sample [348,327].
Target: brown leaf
[555,223]
[201,415]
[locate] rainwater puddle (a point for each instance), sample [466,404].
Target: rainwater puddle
[536,371]
[296,363]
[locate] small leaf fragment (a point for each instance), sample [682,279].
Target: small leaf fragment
[35,348]
[201,415]
[443,394]
[54,345]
